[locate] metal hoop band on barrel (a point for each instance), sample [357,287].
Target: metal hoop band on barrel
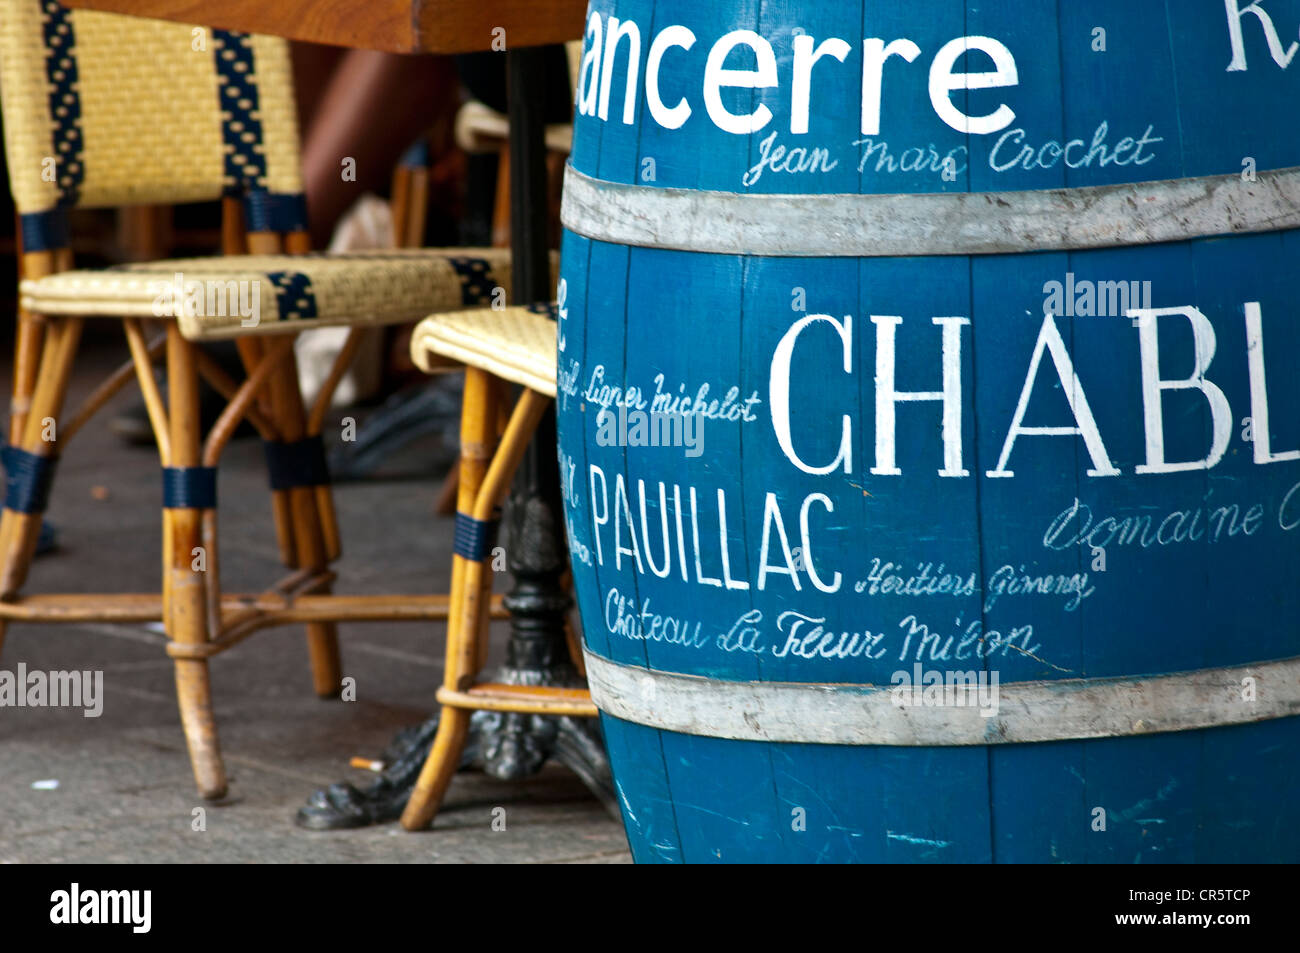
[1012,713]
[954,223]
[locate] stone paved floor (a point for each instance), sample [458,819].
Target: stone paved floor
[125,792]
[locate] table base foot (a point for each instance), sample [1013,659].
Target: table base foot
[504,745]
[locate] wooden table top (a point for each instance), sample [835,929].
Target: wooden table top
[398,26]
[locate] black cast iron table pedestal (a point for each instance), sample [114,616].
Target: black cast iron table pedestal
[505,745]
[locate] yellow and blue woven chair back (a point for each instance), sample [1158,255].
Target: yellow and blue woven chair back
[104,110]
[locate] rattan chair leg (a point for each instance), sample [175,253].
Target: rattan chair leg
[282,519]
[27,344]
[241,400]
[19,532]
[308,528]
[301,528]
[234,239]
[439,768]
[474,621]
[27,353]
[265,243]
[468,619]
[297,243]
[481,491]
[316,531]
[478,439]
[503,405]
[28,341]
[444,504]
[326,660]
[229,388]
[516,436]
[400,203]
[185,581]
[142,359]
[187,624]
[251,351]
[315,420]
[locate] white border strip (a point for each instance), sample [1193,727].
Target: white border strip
[954,223]
[868,715]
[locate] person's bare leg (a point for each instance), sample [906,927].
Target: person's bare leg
[372,108]
[313,65]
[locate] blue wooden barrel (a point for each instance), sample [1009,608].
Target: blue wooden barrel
[930,427]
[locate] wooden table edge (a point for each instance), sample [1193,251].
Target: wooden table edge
[395,26]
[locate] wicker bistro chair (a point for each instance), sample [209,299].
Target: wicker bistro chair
[105,110]
[511,346]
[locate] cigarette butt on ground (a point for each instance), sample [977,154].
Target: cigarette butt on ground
[366,764]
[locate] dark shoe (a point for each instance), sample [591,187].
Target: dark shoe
[133,426]
[48,541]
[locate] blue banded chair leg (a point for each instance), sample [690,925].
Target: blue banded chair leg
[30,460]
[309,520]
[190,489]
[487,466]
[478,442]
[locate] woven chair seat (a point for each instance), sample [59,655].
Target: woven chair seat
[480,128]
[215,297]
[515,344]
